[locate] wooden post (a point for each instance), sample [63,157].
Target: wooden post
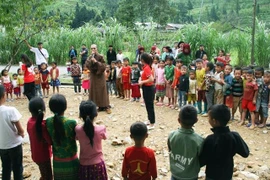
[253,33]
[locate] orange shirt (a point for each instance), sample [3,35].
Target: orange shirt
[177,74]
[37,78]
[139,163]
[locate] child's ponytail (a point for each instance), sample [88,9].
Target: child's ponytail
[58,105]
[37,108]
[88,112]
[89,129]
[40,117]
[58,128]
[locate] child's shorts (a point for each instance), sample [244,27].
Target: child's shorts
[264,107]
[55,83]
[246,104]
[126,86]
[192,97]
[175,93]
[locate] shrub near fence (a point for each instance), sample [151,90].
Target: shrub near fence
[58,41]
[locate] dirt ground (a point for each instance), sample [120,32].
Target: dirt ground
[124,113]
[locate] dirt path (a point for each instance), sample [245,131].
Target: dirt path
[125,113]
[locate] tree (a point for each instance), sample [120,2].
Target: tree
[126,14]
[162,11]
[237,7]
[189,5]
[213,14]
[23,19]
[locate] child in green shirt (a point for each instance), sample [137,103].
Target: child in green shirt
[185,146]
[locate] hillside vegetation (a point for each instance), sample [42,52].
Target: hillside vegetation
[230,13]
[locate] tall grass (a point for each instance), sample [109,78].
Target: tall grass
[58,41]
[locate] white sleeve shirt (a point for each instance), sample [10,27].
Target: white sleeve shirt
[39,57]
[9,137]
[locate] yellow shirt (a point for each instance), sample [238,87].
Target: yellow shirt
[20,80]
[200,78]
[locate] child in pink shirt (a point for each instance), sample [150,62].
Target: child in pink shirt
[92,164]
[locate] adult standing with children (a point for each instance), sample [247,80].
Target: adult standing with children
[98,91]
[29,78]
[147,83]
[41,54]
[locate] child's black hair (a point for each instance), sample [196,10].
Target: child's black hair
[260,69]
[14,74]
[119,62]
[3,71]
[88,112]
[229,66]
[58,105]
[18,70]
[179,61]
[220,64]
[211,66]
[198,61]
[184,67]
[37,108]
[55,63]
[245,69]
[2,91]
[250,71]
[267,73]
[113,62]
[237,69]
[192,72]
[44,64]
[220,113]
[168,57]
[156,57]
[126,59]
[188,115]
[138,130]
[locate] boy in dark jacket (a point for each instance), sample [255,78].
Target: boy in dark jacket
[183,87]
[112,77]
[219,148]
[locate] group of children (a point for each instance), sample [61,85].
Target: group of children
[43,79]
[121,79]
[188,151]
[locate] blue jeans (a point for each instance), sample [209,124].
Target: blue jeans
[108,86]
[38,90]
[113,88]
[12,161]
[182,98]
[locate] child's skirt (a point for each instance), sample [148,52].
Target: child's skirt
[93,172]
[45,85]
[135,90]
[17,91]
[55,83]
[8,87]
[86,84]
[45,170]
[169,90]
[160,90]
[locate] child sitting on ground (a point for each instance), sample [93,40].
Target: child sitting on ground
[219,148]
[185,146]
[139,161]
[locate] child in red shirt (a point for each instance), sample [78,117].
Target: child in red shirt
[139,161]
[40,141]
[249,99]
[45,79]
[126,72]
[177,74]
